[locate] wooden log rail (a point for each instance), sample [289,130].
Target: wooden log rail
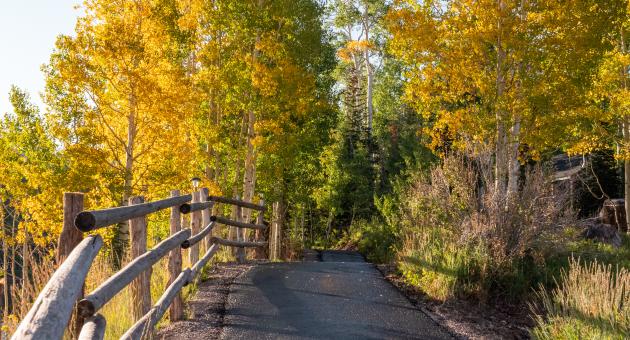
[239,203]
[229,222]
[192,207]
[91,220]
[237,244]
[112,286]
[53,308]
[196,238]
[94,328]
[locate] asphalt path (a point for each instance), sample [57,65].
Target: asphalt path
[336,296]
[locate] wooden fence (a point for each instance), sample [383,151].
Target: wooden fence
[52,310]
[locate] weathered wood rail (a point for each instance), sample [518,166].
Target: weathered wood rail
[51,313]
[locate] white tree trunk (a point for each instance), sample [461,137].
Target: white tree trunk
[129,160]
[513,162]
[626,132]
[626,166]
[250,168]
[501,157]
[370,72]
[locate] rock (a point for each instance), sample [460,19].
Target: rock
[604,233]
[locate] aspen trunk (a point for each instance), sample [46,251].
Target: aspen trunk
[501,157]
[25,264]
[129,161]
[5,264]
[302,225]
[13,260]
[370,73]
[626,168]
[249,181]
[513,162]
[237,171]
[250,168]
[626,131]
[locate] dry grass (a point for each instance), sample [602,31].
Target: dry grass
[23,295]
[118,312]
[591,302]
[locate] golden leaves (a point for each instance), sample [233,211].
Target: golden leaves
[354,47]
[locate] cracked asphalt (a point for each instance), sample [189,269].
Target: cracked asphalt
[336,295]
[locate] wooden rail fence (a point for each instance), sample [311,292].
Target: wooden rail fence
[57,302]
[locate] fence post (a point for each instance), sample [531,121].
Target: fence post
[275,237]
[205,218]
[240,236]
[176,311]
[216,211]
[272,231]
[70,237]
[141,286]
[195,221]
[260,219]
[232,230]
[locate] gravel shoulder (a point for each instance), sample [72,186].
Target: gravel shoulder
[206,310]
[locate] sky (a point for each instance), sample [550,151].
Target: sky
[28,29]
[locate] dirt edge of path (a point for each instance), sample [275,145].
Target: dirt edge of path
[466,319]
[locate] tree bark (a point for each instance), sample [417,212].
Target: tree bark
[25,264]
[5,263]
[626,168]
[626,130]
[370,72]
[250,168]
[129,161]
[501,157]
[513,162]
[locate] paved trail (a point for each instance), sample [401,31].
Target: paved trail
[339,297]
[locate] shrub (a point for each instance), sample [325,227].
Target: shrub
[459,239]
[591,302]
[374,239]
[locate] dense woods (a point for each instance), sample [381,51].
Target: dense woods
[423,133]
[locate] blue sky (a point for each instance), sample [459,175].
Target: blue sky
[28,29]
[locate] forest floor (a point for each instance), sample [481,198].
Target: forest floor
[467,319]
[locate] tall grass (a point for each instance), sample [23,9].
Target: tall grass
[119,311]
[592,301]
